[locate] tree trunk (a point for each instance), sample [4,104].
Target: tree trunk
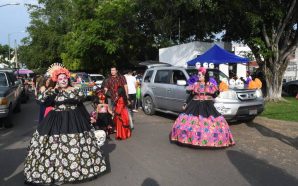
[273,84]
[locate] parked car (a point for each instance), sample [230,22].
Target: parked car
[97,79]
[290,88]
[83,81]
[10,92]
[164,89]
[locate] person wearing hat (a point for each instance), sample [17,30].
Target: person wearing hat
[64,148]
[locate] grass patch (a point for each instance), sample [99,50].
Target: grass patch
[287,111]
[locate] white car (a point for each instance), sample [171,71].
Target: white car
[97,78]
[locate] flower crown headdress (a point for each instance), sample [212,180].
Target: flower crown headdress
[56,69]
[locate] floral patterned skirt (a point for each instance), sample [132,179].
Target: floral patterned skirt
[63,158]
[202,132]
[63,149]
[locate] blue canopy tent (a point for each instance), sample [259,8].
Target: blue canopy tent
[217,55]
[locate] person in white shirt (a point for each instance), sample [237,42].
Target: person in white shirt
[131,86]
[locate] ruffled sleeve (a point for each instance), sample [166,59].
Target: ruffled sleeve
[47,97]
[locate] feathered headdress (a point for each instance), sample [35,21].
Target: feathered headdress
[56,69]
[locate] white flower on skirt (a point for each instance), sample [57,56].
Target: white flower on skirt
[48,180]
[36,151]
[60,169]
[74,165]
[66,173]
[85,148]
[51,169]
[44,176]
[48,152]
[47,163]
[88,141]
[65,149]
[82,140]
[89,162]
[103,168]
[33,162]
[40,139]
[75,174]
[81,93]
[64,162]
[75,150]
[34,143]
[54,146]
[84,171]
[36,175]
[96,168]
[51,139]
[85,155]
[71,157]
[98,160]
[53,157]
[93,149]
[40,168]
[73,142]
[56,176]
[64,138]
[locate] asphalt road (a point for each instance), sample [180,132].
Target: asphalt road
[265,154]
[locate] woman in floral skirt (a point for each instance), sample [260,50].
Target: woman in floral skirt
[63,148]
[201,124]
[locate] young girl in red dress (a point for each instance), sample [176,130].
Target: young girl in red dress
[121,116]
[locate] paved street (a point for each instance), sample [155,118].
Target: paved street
[265,154]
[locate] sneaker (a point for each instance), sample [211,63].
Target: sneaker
[135,110]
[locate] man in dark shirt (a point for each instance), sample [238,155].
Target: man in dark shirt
[113,83]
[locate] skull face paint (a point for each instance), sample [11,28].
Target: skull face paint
[62,81]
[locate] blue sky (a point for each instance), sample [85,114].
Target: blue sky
[13,21]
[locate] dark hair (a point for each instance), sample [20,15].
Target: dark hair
[121,93]
[52,84]
[114,66]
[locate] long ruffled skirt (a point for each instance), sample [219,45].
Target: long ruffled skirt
[201,125]
[63,150]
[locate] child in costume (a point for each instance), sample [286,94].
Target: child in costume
[101,116]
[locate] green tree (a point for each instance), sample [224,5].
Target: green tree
[269,28]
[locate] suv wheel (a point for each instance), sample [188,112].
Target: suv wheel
[148,106]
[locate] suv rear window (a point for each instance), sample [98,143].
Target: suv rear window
[162,76]
[148,76]
[3,80]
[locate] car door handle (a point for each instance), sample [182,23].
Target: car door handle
[169,90]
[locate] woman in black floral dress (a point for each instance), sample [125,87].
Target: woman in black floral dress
[63,148]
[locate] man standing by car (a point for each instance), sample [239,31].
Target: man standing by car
[131,85]
[113,82]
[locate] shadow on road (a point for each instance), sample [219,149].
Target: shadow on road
[150,182]
[107,149]
[258,172]
[270,133]
[11,163]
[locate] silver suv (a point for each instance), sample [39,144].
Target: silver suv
[164,89]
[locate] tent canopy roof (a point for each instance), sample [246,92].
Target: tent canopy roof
[217,55]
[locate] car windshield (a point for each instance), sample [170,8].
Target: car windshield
[3,80]
[96,78]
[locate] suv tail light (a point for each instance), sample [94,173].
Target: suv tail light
[3,101]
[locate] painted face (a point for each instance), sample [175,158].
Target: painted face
[113,71]
[201,76]
[62,81]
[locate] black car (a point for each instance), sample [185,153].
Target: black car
[290,88]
